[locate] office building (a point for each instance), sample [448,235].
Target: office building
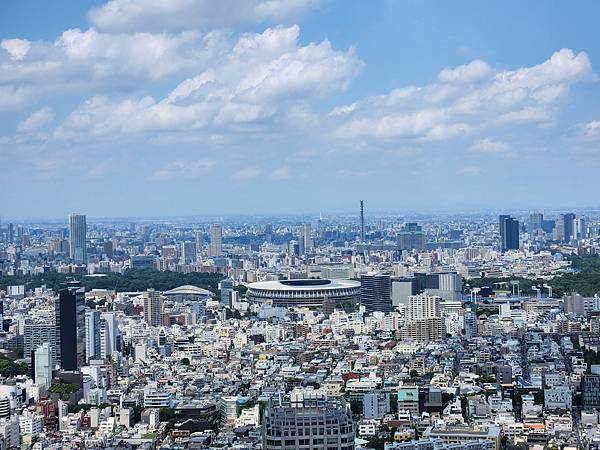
[306,240]
[408,399]
[579,228]
[188,252]
[423,306]
[226,287]
[69,311]
[402,288]
[300,423]
[471,323]
[142,262]
[268,233]
[446,285]
[376,292]
[565,226]
[376,405]
[92,335]
[579,305]
[77,238]
[109,334]
[509,233]
[411,237]
[43,365]
[424,321]
[536,220]
[153,307]
[216,237]
[590,388]
[199,241]
[36,334]
[466,434]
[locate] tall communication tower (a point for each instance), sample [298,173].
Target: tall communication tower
[362,221]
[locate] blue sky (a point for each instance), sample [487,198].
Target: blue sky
[194,107]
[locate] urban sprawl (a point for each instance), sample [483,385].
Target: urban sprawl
[364,331]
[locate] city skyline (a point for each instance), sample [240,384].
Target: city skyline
[299,224]
[148,116]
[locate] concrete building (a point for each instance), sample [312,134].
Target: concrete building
[317,423]
[216,237]
[92,334]
[77,238]
[153,307]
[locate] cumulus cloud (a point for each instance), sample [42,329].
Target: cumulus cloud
[263,78]
[16,48]
[178,15]
[91,60]
[466,99]
[36,120]
[467,73]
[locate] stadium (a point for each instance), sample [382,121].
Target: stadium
[305,293]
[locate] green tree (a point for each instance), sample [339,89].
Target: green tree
[10,368]
[63,389]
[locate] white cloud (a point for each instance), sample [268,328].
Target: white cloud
[281,173]
[466,99]
[586,132]
[344,109]
[246,174]
[467,73]
[36,120]
[16,48]
[178,15]
[263,79]
[93,61]
[180,169]
[489,146]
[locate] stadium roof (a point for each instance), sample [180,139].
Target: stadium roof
[188,289]
[305,285]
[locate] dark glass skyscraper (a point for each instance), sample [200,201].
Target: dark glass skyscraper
[568,226]
[509,233]
[70,326]
[376,292]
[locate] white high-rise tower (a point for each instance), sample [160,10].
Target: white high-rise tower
[216,236]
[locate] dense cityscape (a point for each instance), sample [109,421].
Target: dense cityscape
[352,332]
[299,225]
